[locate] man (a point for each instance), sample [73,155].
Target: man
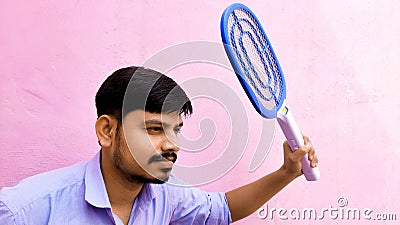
[139,117]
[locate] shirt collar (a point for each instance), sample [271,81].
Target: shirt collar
[95,189]
[147,194]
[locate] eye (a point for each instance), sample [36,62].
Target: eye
[154,130]
[177,130]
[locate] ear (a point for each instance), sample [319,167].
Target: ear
[106,130]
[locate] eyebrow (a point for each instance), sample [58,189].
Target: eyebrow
[157,122]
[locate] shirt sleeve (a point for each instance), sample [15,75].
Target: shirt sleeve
[197,207]
[6,216]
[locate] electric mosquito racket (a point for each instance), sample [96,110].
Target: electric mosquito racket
[260,74]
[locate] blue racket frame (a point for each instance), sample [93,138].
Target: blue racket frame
[241,74]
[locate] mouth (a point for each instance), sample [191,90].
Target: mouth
[168,158]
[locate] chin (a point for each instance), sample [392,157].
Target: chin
[161,179]
[155,179]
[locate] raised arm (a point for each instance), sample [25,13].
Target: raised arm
[246,199]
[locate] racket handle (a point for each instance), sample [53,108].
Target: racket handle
[295,140]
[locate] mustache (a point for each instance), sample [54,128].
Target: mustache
[164,156]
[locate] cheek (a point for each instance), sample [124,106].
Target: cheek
[141,146]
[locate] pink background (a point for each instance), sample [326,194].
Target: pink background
[341,61]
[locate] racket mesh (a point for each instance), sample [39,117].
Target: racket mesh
[255,57]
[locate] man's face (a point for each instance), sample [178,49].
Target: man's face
[147,145]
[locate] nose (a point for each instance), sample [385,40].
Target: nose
[170,143]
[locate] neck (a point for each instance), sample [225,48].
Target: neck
[120,191]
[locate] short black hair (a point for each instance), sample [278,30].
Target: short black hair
[132,88]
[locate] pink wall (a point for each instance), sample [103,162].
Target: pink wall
[341,64]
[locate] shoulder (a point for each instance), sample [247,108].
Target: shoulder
[193,204]
[42,186]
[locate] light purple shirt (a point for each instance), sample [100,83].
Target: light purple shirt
[77,195]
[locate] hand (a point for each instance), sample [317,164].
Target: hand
[292,160]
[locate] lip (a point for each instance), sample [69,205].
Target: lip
[165,163]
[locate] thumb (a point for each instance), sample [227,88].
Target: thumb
[301,152]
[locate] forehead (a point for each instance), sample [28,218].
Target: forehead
[138,117]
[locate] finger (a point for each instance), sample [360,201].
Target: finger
[312,157]
[286,147]
[311,153]
[314,161]
[306,139]
[301,152]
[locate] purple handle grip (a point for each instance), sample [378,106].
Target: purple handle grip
[295,140]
